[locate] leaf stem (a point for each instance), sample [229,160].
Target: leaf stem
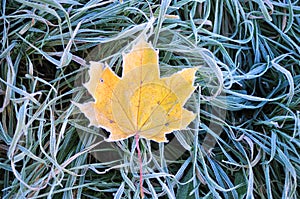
[137,137]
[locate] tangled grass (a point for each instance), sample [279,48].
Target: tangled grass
[244,143]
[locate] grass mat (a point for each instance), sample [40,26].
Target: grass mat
[244,143]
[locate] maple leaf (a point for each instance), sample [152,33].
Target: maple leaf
[140,103]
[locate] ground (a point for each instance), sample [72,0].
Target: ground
[243,143]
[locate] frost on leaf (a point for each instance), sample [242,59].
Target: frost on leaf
[140,102]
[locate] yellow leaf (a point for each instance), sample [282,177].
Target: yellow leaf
[140,103]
